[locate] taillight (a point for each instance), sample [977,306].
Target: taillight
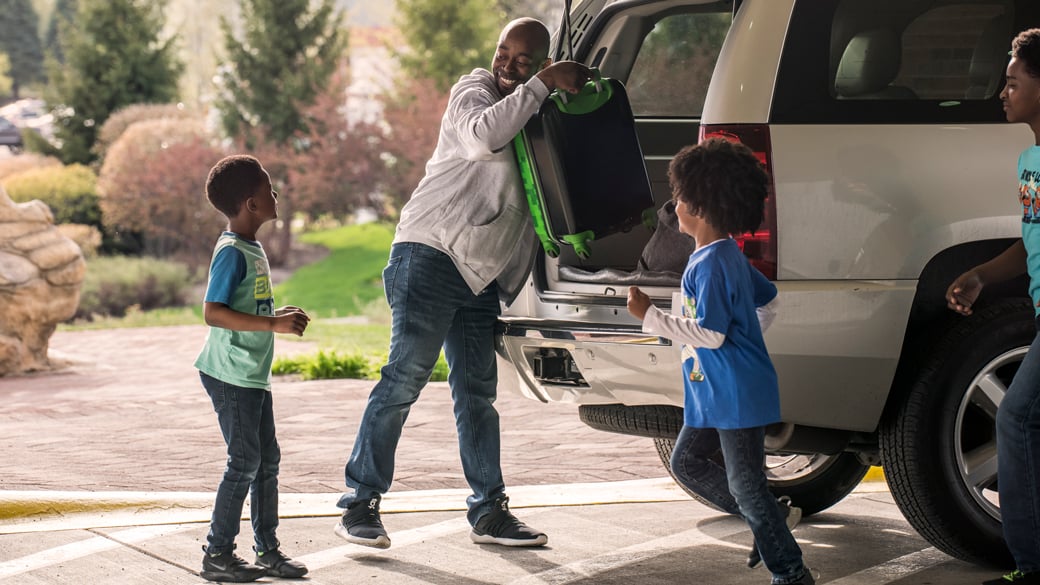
[759,247]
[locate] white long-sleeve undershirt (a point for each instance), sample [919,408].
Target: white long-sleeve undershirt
[686,330]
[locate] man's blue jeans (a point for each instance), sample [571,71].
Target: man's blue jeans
[432,306]
[1018,462]
[741,489]
[246,418]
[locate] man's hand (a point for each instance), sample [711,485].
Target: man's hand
[569,76]
[290,319]
[963,292]
[638,302]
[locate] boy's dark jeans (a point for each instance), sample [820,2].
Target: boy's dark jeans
[246,419]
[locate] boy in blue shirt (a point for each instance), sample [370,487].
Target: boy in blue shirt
[731,390]
[1018,416]
[235,367]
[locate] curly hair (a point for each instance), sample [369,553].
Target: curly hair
[721,181]
[1026,48]
[232,180]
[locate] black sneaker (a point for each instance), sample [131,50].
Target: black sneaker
[1016,578]
[229,567]
[499,526]
[278,565]
[792,514]
[360,524]
[808,578]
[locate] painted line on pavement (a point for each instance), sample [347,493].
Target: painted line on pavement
[895,569]
[82,548]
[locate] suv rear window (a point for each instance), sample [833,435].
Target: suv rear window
[671,72]
[890,61]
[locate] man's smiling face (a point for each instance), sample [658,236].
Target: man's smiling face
[517,59]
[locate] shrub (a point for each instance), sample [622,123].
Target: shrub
[70,192]
[333,365]
[13,165]
[153,183]
[123,118]
[87,237]
[115,285]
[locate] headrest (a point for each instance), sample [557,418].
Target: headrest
[990,56]
[870,62]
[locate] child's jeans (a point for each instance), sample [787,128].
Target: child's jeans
[1018,454]
[744,454]
[246,419]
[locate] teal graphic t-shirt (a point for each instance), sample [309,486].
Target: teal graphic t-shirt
[1028,184]
[239,277]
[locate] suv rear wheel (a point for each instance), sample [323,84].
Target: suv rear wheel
[938,443]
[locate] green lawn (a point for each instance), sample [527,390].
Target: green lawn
[348,280]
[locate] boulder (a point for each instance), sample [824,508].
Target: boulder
[40,276]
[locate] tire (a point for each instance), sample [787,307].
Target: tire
[813,482]
[642,421]
[938,441]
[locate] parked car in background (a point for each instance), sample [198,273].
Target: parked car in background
[10,136]
[893,171]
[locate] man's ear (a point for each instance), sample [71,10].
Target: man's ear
[250,205]
[548,61]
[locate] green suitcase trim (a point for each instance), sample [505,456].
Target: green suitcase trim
[535,198]
[580,242]
[592,96]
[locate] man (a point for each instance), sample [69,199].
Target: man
[464,242]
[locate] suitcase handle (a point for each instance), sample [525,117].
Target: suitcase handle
[596,92]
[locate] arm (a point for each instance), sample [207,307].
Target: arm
[673,327]
[767,313]
[485,124]
[287,319]
[964,290]
[681,329]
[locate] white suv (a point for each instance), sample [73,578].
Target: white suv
[893,171]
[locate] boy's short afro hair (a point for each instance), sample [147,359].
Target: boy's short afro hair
[723,182]
[1026,48]
[232,180]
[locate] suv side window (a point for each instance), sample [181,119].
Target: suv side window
[871,61]
[674,65]
[947,53]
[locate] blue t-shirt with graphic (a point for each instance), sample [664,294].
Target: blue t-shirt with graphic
[1028,185]
[735,385]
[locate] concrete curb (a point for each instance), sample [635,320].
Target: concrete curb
[45,511]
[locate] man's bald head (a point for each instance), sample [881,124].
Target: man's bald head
[532,30]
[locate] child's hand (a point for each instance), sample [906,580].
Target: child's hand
[963,292]
[290,319]
[638,302]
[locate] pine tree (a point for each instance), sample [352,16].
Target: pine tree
[447,38]
[284,57]
[19,38]
[114,57]
[64,12]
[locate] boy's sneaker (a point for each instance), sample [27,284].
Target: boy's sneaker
[793,515]
[360,524]
[229,567]
[499,526]
[807,578]
[277,564]
[1016,578]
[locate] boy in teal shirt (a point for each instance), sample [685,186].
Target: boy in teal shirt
[1018,414]
[235,367]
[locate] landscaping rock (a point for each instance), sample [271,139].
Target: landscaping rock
[41,271]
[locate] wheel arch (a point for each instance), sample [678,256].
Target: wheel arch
[929,318]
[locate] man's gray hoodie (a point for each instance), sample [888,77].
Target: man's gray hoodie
[471,204]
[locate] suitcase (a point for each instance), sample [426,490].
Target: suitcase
[582,167]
